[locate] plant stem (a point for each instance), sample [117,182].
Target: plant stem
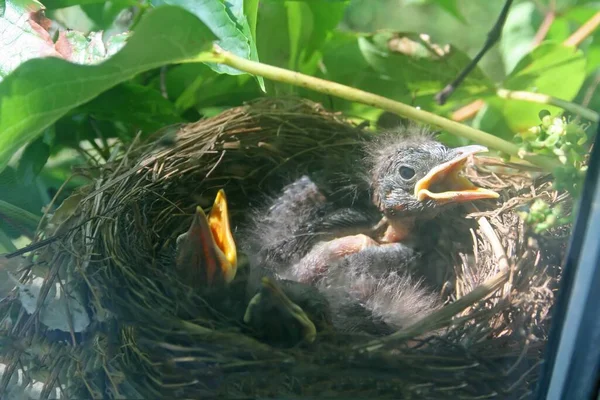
[360,96]
[553,101]
[544,28]
[584,31]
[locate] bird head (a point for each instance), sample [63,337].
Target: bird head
[207,252]
[415,176]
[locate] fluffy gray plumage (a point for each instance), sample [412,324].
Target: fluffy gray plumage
[372,290]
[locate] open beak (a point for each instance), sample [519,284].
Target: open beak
[445,184]
[207,250]
[271,294]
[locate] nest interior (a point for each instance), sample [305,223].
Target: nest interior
[148,335]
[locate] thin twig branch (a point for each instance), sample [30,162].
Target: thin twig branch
[542,31]
[492,38]
[575,39]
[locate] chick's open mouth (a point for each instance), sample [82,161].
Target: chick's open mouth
[446,184]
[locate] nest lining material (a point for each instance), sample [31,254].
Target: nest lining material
[150,336]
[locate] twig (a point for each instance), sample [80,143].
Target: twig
[544,28]
[553,101]
[468,111]
[575,39]
[331,88]
[492,38]
[584,31]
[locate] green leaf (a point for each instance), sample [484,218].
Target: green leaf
[292,34]
[20,205]
[6,246]
[104,13]
[33,160]
[54,4]
[251,13]
[245,14]
[41,91]
[519,30]
[451,7]
[419,65]
[326,17]
[141,107]
[441,26]
[217,15]
[551,69]
[16,216]
[575,18]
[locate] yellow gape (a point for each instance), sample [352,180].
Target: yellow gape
[218,221]
[206,253]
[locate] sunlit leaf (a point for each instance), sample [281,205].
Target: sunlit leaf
[451,7]
[23,35]
[551,69]
[228,22]
[40,91]
[519,30]
[419,64]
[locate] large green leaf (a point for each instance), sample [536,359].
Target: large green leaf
[40,91]
[291,34]
[550,69]
[451,7]
[575,18]
[228,22]
[519,30]
[32,160]
[443,28]
[413,62]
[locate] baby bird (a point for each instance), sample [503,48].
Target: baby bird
[359,257]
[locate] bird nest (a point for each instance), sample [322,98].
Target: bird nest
[99,311]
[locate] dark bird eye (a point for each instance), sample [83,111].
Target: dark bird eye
[406,172]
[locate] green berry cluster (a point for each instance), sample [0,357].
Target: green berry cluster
[568,141]
[541,216]
[564,139]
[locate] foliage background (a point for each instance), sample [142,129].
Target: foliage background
[80,79]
